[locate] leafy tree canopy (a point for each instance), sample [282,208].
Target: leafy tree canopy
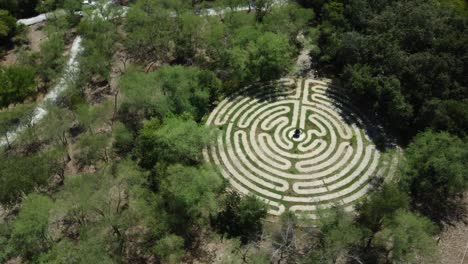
[7,25]
[434,172]
[21,174]
[191,195]
[407,237]
[172,89]
[241,216]
[338,236]
[16,83]
[380,205]
[176,140]
[19,8]
[408,68]
[29,232]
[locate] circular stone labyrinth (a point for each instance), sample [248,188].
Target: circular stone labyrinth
[298,145]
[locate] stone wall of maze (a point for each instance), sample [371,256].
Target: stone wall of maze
[333,161]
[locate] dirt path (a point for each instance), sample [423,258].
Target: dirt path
[36,36]
[9,59]
[454,245]
[453,242]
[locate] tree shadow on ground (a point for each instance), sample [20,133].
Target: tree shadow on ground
[369,121]
[263,92]
[445,213]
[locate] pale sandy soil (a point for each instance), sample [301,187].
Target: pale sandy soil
[453,243]
[9,59]
[36,36]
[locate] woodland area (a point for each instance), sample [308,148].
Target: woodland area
[115,173]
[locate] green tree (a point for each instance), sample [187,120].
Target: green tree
[408,237]
[263,8]
[170,249]
[51,57]
[459,6]
[408,69]
[99,38]
[191,89]
[123,139]
[90,249]
[381,93]
[373,212]
[150,32]
[381,205]
[237,60]
[338,236]
[317,5]
[93,148]
[10,118]
[190,194]
[434,172]
[19,8]
[270,56]
[29,231]
[45,6]
[173,89]
[189,37]
[16,83]
[241,216]
[21,174]
[56,124]
[93,117]
[176,140]
[236,253]
[7,25]
[104,205]
[445,115]
[135,107]
[333,12]
[288,19]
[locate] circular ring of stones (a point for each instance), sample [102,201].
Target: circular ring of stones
[330,161]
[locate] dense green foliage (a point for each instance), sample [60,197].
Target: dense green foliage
[241,217]
[19,8]
[384,232]
[16,83]
[21,174]
[176,140]
[434,173]
[29,232]
[238,47]
[192,193]
[7,26]
[172,89]
[408,237]
[381,205]
[99,37]
[10,118]
[338,235]
[408,68]
[52,5]
[50,59]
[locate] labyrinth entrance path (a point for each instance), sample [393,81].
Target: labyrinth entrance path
[298,145]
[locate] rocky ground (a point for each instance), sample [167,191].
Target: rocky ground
[453,242]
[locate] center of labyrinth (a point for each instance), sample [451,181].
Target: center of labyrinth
[297,145]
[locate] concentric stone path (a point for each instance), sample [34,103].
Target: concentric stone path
[297,145]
